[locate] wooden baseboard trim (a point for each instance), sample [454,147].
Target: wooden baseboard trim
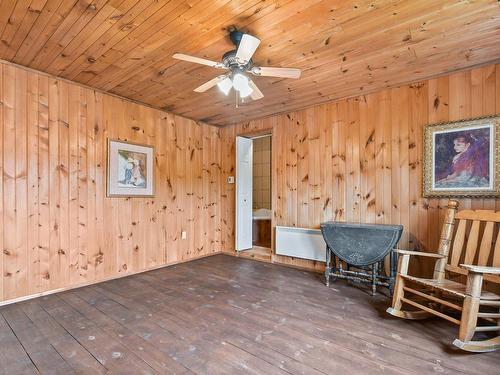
[81,285]
[272,261]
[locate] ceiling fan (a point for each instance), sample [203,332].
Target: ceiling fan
[238,63]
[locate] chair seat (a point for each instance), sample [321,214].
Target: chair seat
[451,287]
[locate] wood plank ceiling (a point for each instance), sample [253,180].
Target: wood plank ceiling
[345,48]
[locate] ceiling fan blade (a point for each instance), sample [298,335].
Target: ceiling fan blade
[256,93]
[247,47]
[267,71]
[198,60]
[210,84]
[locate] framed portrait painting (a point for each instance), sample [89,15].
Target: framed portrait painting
[461,159]
[130,169]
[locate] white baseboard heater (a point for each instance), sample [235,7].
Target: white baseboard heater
[300,243]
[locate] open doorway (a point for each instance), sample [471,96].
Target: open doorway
[253,197]
[261,192]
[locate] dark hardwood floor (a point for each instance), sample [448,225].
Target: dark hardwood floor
[225,315]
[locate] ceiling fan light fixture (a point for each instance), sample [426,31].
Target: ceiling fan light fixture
[245,91]
[225,85]
[240,83]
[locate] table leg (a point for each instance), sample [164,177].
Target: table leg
[327,266]
[374,278]
[392,277]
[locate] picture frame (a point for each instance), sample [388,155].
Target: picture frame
[130,169]
[461,158]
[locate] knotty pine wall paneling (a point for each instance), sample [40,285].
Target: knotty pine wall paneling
[360,159]
[357,159]
[57,228]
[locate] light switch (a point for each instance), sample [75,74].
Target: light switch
[183,235]
[230,180]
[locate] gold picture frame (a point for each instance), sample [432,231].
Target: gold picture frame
[454,158]
[116,188]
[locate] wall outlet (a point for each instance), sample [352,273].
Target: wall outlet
[183,235]
[230,180]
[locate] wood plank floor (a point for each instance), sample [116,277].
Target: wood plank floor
[264,254]
[225,315]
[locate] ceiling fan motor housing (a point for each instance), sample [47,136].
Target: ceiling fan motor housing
[229,60]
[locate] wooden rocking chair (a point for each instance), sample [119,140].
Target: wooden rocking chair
[438,295]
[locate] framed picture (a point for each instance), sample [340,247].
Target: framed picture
[461,159]
[130,169]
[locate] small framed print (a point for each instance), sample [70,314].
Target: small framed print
[461,159]
[130,169]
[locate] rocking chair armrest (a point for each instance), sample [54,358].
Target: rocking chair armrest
[481,269]
[419,253]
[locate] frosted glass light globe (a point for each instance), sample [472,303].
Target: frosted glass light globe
[240,83]
[225,85]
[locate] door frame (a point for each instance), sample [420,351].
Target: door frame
[253,133]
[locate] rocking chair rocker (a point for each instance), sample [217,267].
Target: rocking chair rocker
[434,296]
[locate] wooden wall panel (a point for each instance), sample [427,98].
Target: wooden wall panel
[357,159]
[57,228]
[360,159]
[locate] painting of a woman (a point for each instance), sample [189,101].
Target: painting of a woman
[462,158]
[469,166]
